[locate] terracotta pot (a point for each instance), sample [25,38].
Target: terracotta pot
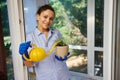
[62,51]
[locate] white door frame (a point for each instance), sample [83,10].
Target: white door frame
[108,23]
[17,36]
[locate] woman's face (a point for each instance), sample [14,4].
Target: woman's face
[45,19]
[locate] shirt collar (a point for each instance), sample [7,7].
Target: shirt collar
[38,32]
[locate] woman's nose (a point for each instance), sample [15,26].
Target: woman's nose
[48,20]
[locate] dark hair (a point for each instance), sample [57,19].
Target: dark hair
[45,7]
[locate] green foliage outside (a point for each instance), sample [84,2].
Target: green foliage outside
[71,20]
[4,13]
[99,14]
[7,43]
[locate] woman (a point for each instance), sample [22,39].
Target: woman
[51,68]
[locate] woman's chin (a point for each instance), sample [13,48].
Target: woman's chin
[46,28]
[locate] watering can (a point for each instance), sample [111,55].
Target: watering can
[37,54]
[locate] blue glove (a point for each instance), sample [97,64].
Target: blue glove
[62,59]
[23,48]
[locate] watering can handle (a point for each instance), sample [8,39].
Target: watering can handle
[34,45]
[27,59]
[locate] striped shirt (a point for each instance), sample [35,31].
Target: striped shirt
[49,68]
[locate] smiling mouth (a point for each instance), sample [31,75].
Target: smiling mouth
[47,24]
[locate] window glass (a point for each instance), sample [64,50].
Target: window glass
[30,24]
[71,20]
[99,16]
[7,42]
[98,65]
[29,15]
[77,61]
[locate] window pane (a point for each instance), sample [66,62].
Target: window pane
[7,42]
[77,61]
[29,15]
[71,20]
[99,16]
[30,24]
[98,63]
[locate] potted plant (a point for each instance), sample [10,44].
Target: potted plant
[62,49]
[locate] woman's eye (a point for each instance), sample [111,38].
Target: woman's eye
[45,16]
[51,19]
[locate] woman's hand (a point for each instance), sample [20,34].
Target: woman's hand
[29,64]
[62,59]
[23,47]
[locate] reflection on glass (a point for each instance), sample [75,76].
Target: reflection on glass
[29,15]
[77,61]
[7,42]
[31,73]
[99,15]
[71,20]
[30,24]
[98,63]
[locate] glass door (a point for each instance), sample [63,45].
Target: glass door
[86,26]
[81,23]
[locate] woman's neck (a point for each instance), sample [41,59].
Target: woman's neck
[43,30]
